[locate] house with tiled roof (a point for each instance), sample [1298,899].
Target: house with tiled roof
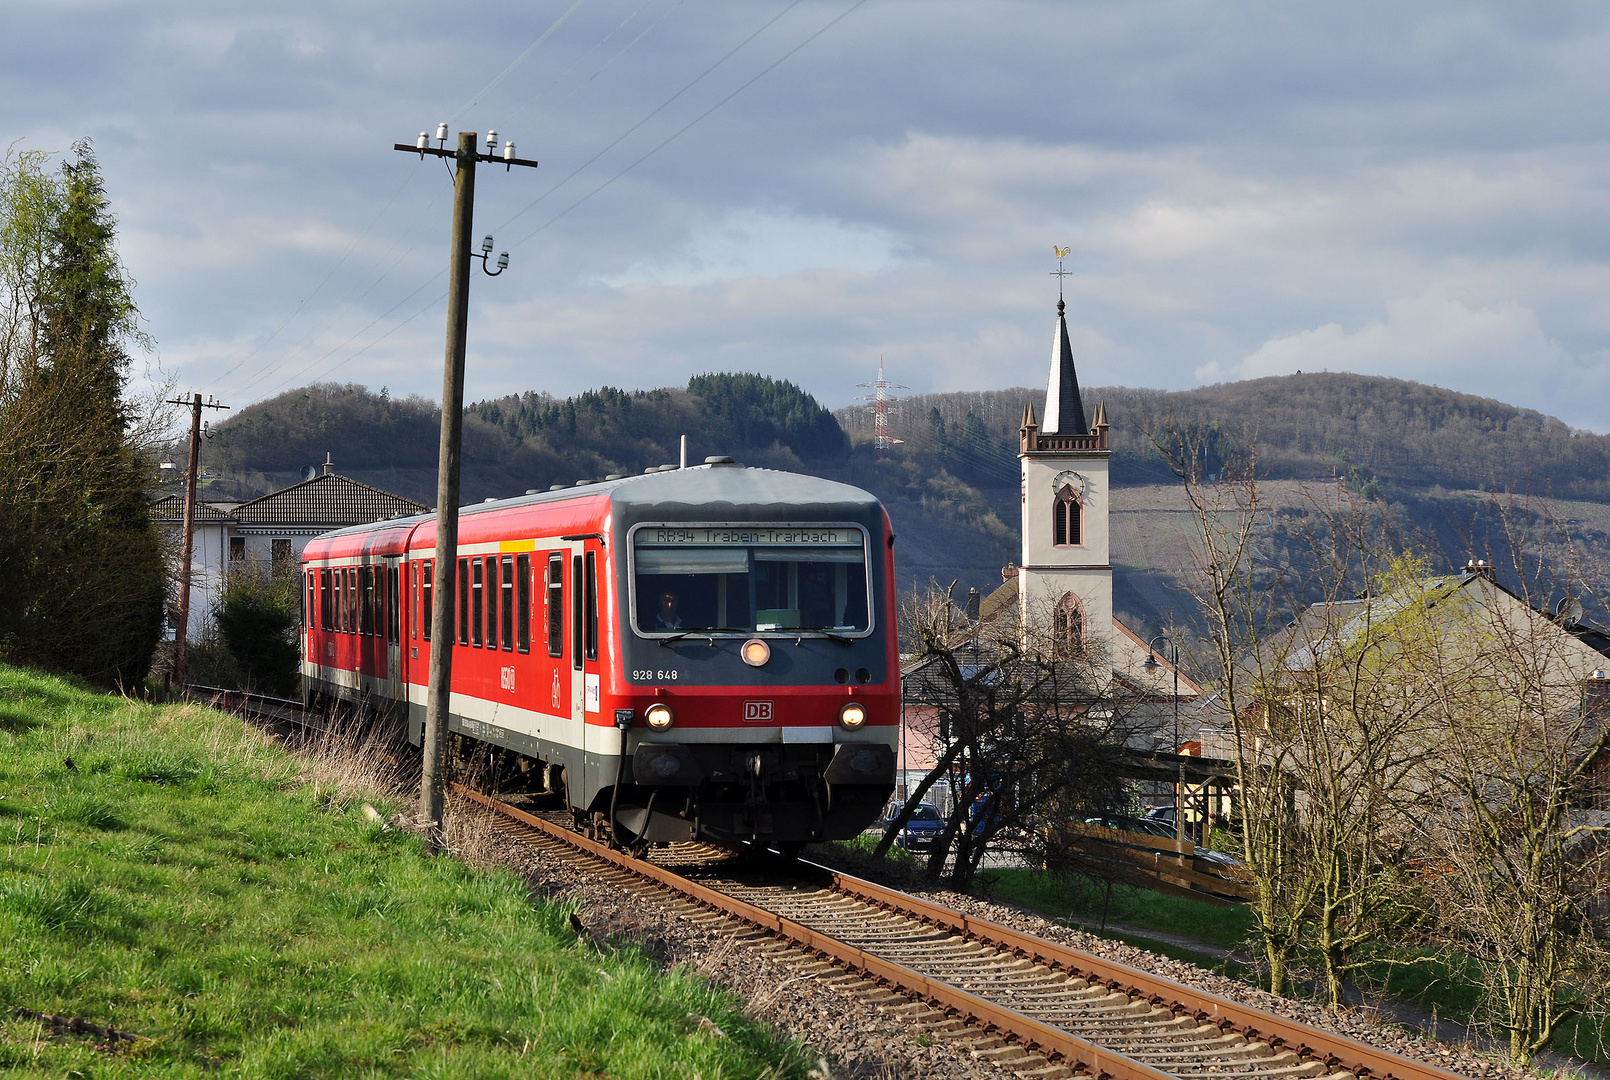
[271,529]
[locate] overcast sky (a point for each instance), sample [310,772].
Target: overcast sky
[1248,189]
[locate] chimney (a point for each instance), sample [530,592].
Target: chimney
[973,601]
[1481,568]
[329,466]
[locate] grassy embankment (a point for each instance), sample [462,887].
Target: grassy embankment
[169,873]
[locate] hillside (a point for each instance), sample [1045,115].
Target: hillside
[951,484]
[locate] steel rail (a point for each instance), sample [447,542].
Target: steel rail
[1336,1051]
[1028,1032]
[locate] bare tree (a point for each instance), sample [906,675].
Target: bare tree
[1023,728]
[1514,796]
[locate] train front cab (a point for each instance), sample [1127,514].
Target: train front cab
[777,670]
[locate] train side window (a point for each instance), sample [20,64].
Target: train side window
[522,609]
[346,599]
[592,605]
[372,599]
[393,630]
[463,601]
[477,600]
[326,608]
[366,600]
[425,612]
[506,604]
[491,601]
[352,599]
[556,604]
[575,612]
[307,602]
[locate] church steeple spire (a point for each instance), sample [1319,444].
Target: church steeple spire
[1064,409]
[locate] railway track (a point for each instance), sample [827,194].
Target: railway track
[1036,1007]
[1051,1009]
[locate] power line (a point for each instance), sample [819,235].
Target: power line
[376,219]
[657,110]
[684,128]
[516,62]
[644,157]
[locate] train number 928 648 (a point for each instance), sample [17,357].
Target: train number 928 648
[652,675]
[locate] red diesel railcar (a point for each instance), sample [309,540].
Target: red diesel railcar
[703,653]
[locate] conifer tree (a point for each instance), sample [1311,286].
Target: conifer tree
[79,557]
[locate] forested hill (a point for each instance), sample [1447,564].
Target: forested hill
[951,483]
[530,440]
[1405,434]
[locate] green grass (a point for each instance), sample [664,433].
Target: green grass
[184,880]
[1082,898]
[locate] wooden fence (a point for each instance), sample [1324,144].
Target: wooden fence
[1153,862]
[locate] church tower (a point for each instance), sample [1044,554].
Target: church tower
[1065,577]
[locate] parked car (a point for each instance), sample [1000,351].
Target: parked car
[922,828]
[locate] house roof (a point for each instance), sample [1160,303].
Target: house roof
[330,501]
[171,508]
[1331,627]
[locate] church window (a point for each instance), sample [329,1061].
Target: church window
[1068,624]
[1068,518]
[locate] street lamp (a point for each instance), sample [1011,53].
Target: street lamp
[1151,665]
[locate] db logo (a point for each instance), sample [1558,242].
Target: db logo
[757,712]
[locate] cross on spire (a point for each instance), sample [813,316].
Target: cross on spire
[1059,273]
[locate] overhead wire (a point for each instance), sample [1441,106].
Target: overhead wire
[516,62]
[610,62]
[406,180]
[623,136]
[601,187]
[599,44]
[685,127]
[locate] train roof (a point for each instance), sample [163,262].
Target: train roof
[697,485]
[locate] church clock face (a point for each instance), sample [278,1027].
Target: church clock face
[1079,482]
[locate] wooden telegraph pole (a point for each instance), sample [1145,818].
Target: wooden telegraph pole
[187,546]
[449,458]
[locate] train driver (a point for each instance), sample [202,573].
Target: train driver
[668,618]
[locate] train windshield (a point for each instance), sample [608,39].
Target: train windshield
[749,579]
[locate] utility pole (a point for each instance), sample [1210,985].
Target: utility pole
[450,449]
[187,546]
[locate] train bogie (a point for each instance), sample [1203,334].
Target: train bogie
[703,653]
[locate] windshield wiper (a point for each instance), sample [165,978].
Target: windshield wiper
[698,631]
[827,632]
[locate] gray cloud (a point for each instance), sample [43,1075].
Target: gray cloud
[1414,190]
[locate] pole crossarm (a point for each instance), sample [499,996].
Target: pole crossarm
[454,155]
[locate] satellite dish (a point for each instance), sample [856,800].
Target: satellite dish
[309,472]
[1568,611]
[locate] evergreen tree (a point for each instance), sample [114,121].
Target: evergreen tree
[80,559]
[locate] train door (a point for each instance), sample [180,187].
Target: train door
[599,736]
[579,704]
[394,687]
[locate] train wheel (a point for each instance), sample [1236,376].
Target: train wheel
[789,849]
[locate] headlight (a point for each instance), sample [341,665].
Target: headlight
[852,716]
[659,717]
[755,652]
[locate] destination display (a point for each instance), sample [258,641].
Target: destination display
[751,536]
